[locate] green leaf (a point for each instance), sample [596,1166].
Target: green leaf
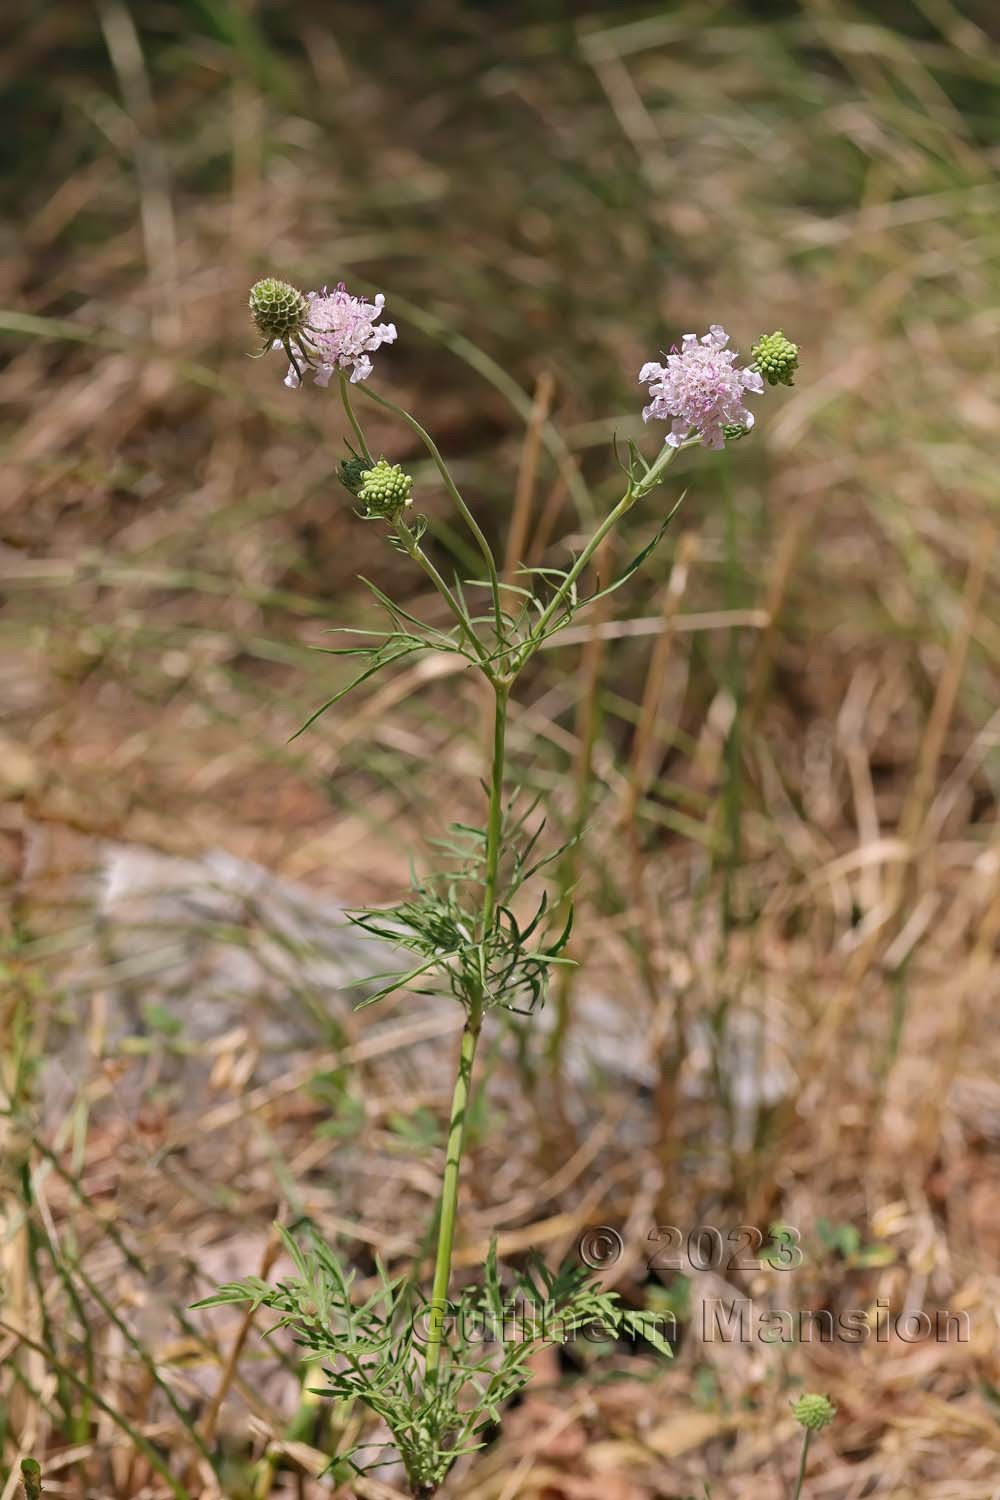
[399,981]
[395,611]
[377,665]
[421,1128]
[645,1325]
[250,1289]
[845,1239]
[639,559]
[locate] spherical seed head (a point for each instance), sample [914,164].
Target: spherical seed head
[385,490]
[278,308]
[813,1411]
[776,357]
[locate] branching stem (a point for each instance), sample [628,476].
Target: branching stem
[420,557]
[634,492]
[345,396]
[460,505]
[411,543]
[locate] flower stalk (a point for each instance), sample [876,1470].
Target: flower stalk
[414,549]
[355,425]
[459,502]
[636,490]
[813,1412]
[470,1040]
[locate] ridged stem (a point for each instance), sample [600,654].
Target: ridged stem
[467,1055]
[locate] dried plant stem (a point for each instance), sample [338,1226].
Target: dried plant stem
[588,715]
[900,880]
[647,742]
[209,1423]
[139,1442]
[667,1028]
[517,536]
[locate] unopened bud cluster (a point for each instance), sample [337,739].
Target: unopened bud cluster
[813,1411]
[385,490]
[776,357]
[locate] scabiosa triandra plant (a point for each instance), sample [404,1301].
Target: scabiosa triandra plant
[402,1356]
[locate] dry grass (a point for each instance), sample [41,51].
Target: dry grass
[791,887]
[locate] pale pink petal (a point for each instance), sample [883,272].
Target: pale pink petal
[341,331]
[700,389]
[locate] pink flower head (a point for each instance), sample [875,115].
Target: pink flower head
[339,332]
[700,389]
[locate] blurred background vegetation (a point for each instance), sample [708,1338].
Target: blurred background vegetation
[789,899]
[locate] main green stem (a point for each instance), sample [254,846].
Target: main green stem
[467,1055]
[806,1436]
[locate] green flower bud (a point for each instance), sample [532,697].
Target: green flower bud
[733,431]
[776,357]
[31,1478]
[385,490]
[814,1412]
[278,308]
[351,473]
